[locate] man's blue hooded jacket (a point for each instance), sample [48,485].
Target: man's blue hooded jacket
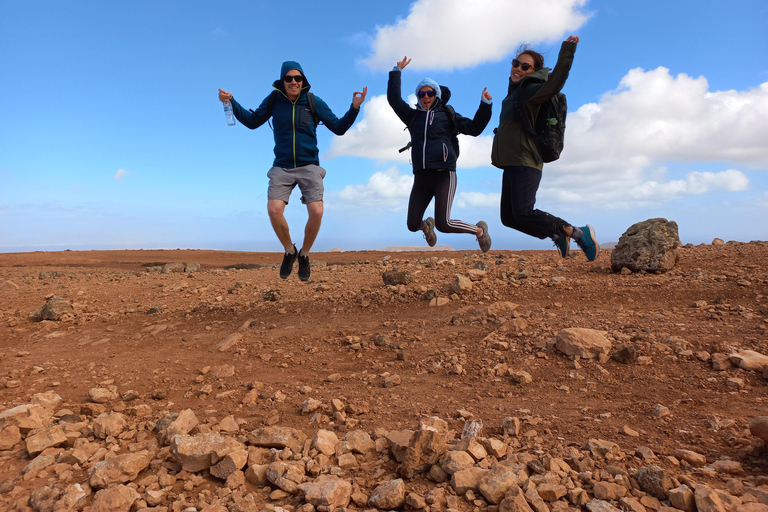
[293,125]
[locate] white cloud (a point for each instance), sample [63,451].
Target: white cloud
[477,200]
[655,116]
[385,190]
[120,173]
[616,150]
[451,34]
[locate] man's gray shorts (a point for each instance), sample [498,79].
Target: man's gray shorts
[309,178]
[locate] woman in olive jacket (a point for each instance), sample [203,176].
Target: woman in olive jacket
[515,150]
[433,124]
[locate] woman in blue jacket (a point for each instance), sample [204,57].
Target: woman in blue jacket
[433,125]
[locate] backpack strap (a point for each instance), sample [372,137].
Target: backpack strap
[313,107]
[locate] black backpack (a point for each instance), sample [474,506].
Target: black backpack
[549,129]
[310,100]
[454,136]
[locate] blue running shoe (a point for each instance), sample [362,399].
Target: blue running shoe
[588,243]
[563,244]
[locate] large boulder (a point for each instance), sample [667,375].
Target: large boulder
[650,245]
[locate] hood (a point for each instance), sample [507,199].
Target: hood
[429,83]
[443,92]
[286,67]
[540,75]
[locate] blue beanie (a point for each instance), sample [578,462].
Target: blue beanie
[429,83]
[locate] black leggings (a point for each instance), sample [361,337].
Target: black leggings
[441,185]
[518,196]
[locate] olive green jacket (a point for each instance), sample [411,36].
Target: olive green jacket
[512,143]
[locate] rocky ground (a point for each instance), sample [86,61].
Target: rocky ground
[499,382]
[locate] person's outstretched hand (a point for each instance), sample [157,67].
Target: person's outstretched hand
[404,62]
[486,95]
[358,97]
[572,39]
[224,96]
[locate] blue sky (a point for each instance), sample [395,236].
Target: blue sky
[112,136]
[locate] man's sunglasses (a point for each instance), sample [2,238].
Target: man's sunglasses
[429,93]
[290,78]
[522,65]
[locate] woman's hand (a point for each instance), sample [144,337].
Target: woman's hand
[404,62]
[224,96]
[486,95]
[572,39]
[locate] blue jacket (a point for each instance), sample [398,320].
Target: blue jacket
[431,131]
[293,126]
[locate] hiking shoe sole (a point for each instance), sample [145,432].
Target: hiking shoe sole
[288,260]
[485,240]
[430,236]
[304,270]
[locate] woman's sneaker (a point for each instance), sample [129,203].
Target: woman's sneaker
[430,236]
[288,260]
[588,243]
[485,239]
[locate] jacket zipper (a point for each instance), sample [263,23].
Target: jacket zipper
[427,121]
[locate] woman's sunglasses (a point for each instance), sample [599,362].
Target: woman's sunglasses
[522,65]
[290,78]
[426,93]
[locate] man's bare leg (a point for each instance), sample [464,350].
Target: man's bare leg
[276,209]
[315,211]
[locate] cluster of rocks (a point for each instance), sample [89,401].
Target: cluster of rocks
[170,268]
[127,459]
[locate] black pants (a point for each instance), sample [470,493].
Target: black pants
[440,184]
[518,197]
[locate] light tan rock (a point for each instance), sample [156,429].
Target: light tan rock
[389,495]
[115,499]
[682,498]
[691,457]
[277,437]
[466,480]
[333,493]
[119,469]
[111,424]
[456,461]
[232,462]
[325,442]
[496,482]
[182,425]
[586,343]
[514,502]
[199,452]
[287,476]
[707,499]
[47,438]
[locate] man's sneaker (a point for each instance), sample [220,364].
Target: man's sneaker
[588,243]
[430,236]
[304,271]
[563,244]
[485,239]
[288,259]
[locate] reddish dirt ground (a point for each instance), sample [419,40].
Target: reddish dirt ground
[340,335]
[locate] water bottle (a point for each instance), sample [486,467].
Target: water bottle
[228,113]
